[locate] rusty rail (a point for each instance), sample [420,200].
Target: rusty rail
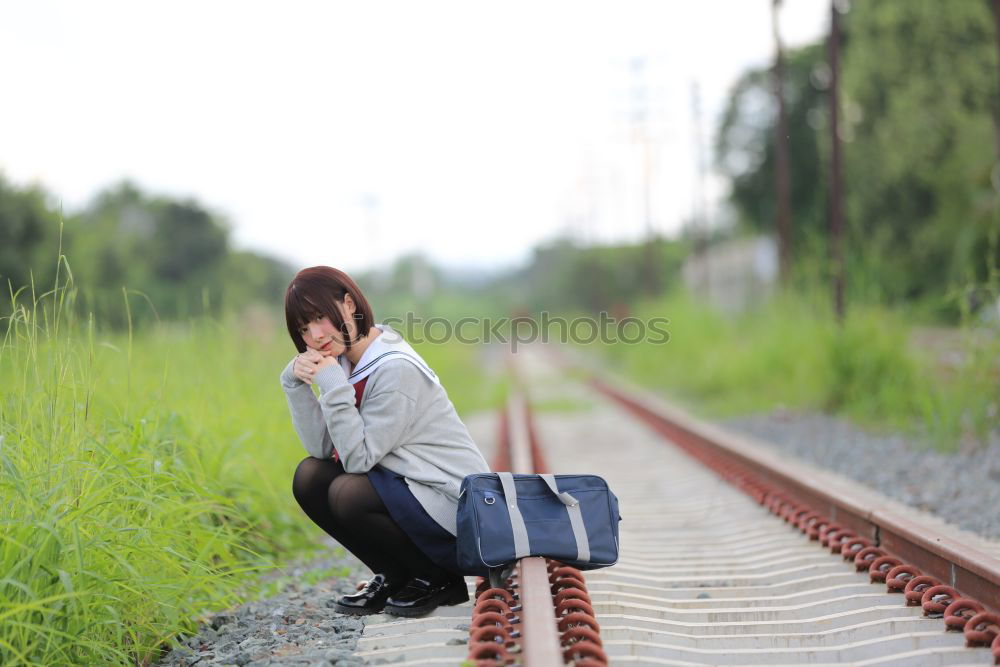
[546,601]
[975,573]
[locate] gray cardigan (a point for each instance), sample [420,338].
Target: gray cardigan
[406,424]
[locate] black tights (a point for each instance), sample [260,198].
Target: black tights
[349,509]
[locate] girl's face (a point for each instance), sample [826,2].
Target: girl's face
[321,335]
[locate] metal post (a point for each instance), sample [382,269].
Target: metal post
[782,193]
[996,109]
[836,213]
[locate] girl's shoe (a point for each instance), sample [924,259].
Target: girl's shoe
[421,596]
[369,600]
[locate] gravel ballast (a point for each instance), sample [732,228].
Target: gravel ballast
[962,489]
[295,627]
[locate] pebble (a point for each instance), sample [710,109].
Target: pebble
[295,627]
[961,488]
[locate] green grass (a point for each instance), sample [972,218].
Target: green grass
[145,479]
[791,353]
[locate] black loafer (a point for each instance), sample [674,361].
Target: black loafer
[420,596]
[369,600]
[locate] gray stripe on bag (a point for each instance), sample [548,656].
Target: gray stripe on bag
[575,519]
[522,548]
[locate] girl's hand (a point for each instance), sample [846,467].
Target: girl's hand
[328,360]
[306,365]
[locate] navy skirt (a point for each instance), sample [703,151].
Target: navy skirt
[437,543]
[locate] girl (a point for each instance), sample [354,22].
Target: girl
[387,450]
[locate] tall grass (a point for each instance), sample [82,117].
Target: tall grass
[791,353]
[144,477]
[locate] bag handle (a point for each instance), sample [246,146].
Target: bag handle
[567,500]
[575,519]
[522,546]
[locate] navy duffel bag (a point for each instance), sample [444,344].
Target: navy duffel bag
[503,517]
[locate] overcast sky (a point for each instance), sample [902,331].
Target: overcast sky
[350,133]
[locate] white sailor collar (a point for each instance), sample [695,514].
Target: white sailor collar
[386,347]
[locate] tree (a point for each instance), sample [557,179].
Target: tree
[172,251]
[919,92]
[746,152]
[917,102]
[187,242]
[29,229]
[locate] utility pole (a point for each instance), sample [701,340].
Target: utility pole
[369,203]
[996,111]
[836,212]
[782,193]
[641,135]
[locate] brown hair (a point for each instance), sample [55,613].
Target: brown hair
[313,292]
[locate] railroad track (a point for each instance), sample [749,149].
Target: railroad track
[717,565]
